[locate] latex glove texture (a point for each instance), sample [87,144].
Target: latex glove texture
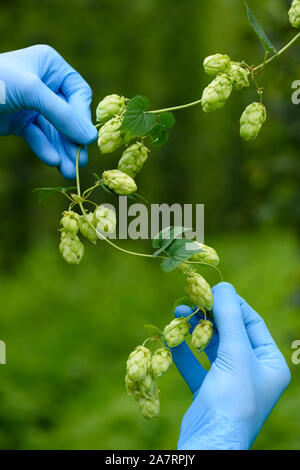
[248,374]
[47,103]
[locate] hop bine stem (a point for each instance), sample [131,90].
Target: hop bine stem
[279,53]
[99,234]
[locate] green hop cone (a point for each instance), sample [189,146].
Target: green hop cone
[110,107]
[199,291]
[216,64]
[133,159]
[70,221]
[175,332]
[86,227]
[110,137]
[105,219]
[119,182]
[202,335]
[71,248]
[139,363]
[161,362]
[150,407]
[207,255]
[216,94]
[238,76]
[143,388]
[147,386]
[132,387]
[252,120]
[294,14]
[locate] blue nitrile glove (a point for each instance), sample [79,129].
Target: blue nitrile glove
[248,374]
[47,103]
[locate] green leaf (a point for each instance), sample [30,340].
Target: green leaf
[179,251]
[136,121]
[159,135]
[166,119]
[268,46]
[183,301]
[166,237]
[44,193]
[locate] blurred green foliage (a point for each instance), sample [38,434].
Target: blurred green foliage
[69,329]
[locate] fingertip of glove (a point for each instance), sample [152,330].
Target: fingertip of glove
[182,311]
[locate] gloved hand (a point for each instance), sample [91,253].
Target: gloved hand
[47,103]
[248,374]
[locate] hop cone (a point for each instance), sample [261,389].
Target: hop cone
[119,182]
[147,386]
[150,407]
[133,159]
[216,94]
[175,332]
[105,219]
[138,363]
[110,137]
[132,387]
[86,227]
[294,14]
[161,361]
[70,221]
[71,248]
[199,291]
[202,335]
[208,255]
[144,387]
[252,120]
[238,76]
[216,64]
[109,107]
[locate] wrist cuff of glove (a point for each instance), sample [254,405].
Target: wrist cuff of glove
[213,431]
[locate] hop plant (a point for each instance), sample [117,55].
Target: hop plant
[252,120]
[105,219]
[216,64]
[111,137]
[238,76]
[199,291]
[202,335]
[87,227]
[119,182]
[207,255]
[133,159]
[132,386]
[110,107]
[70,221]
[150,407]
[139,363]
[175,332]
[71,248]
[294,14]
[161,362]
[216,94]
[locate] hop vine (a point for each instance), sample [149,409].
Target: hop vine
[130,125]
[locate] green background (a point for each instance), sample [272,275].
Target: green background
[69,329]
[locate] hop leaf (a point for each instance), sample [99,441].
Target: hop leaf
[265,41]
[136,120]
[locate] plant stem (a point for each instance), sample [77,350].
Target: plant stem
[174,108]
[285,48]
[98,233]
